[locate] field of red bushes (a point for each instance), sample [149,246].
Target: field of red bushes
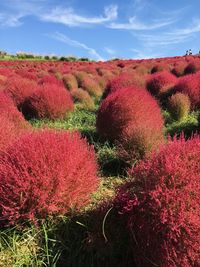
[147,114]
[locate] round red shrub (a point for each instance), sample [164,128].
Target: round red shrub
[45,172]
[88,83]
[2,80]
[122,81]
[190,85]
[18,88]
[161,206]
[132,118]
[142,69]
[48,101]
[82,97]
[106,74]
[101,81]
[10,112]
[9,132]
[48,79]
[178,69]
[160,83]
[160,67]
[70,82]
[193,67]
[179,106]
[6,72]
[27,74]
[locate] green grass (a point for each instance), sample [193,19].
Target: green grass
[78,120]
[187,126]
[22,247]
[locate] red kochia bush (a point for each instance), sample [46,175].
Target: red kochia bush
[161,205]
[132,118]
[122,81]
[160,83]
[70,82]
[190,85]
[82,97]
[12,123]
[48,101]
[193,67]
[45,172]
[18,88]
[179,68]
[10,112]
[160,67]
[47,79]
[88,83]
[9,132]
[2,81]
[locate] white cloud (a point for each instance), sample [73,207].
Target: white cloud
[156,44]
[65,39]
[175,36]
[135,24]
[13,13]
[9,20]
[159,39]
[194,28]
[68,16]
[46,11]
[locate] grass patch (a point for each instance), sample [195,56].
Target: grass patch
[187,126]
[78,120]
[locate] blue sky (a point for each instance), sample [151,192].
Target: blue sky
[100,29]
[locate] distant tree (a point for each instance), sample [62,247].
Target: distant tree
[21,55]
[54,57]
[84,59]
[114,59]
[71,58]
[63,59]
[46,57]
[29,55]
[3,53]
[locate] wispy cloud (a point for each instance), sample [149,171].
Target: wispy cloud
[69,17]
[46,11]
[13,13]
[145,16]
[135,24]
[110,51]
[161,39]
[193,28]
[65,39]
[9,20]
[175,36]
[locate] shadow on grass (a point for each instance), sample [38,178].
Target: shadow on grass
[114,167]
[110,163]
[91,135]
[83,241]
